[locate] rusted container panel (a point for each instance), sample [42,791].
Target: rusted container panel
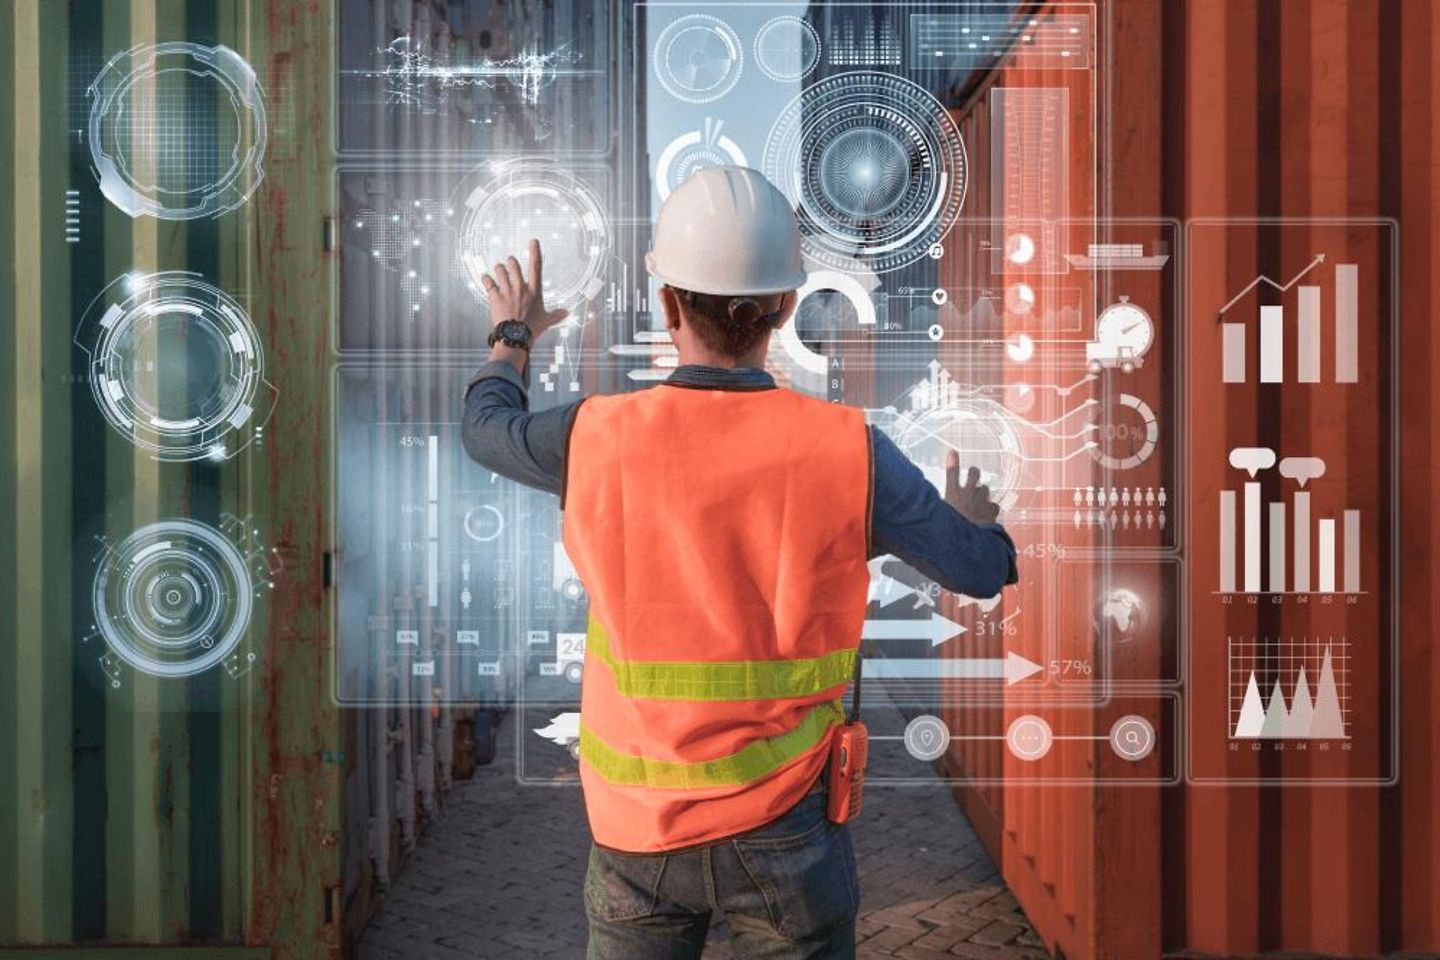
[125,803]
[1047,838]
[131,817]
[1284,110]
[199,812]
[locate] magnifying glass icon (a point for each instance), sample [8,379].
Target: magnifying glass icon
[1132,738]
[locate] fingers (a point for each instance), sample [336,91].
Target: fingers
[517,278]
[488,282]
[536,264]
[502,279]
[986,510]
[952,476]
[972,477]
[557,316]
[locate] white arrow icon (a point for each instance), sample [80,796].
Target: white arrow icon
[892,591]
[1012,669]
[1017,668]
[888,589]
[937,629]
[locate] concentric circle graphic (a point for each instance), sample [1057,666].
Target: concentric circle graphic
[698,58]
[1126,434]
[926,738]
[529,198]
[875,167]
[865,172]
[173,599]
[786,48]
[176,366]
[177,130]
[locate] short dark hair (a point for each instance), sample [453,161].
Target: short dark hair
[730,325]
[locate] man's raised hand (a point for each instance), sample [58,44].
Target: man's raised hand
[972,499]
[512,297]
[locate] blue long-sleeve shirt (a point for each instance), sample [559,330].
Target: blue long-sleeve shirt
[909,517]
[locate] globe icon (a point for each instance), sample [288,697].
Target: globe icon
[1120,614]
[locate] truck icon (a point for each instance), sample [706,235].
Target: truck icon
[1123,335]
[569,659]
[564,730]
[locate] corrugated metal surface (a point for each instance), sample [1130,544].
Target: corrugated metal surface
[129,817]
[1322,109]
[207,811]
[125,807]
[200,811]
[1047,838]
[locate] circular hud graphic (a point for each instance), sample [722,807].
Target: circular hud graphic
[875,167]
[698,58]
[533,198]
[1126,434]
[484,523]
[980,431]
[787,48]
[173,599]
[176,366]
[693,151]
[177,130]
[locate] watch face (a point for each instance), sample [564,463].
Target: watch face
[514,330]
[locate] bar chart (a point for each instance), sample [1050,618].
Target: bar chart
[1291,689]
[1294,420]
[1308,337]
[1285,546]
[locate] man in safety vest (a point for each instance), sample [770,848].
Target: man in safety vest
[722,528]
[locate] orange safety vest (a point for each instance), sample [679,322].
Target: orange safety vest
[722,537]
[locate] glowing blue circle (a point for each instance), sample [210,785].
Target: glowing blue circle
[864,172]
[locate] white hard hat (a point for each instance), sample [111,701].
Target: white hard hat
[727,231]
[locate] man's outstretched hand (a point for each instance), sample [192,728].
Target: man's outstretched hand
[973,499]
[512,297]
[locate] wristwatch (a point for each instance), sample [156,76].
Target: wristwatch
[512,333]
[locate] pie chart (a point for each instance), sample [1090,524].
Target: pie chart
[1020,347]
[1019,248]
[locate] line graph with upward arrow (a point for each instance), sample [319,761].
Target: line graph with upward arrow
[1279,287]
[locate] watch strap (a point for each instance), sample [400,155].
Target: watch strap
[498,336]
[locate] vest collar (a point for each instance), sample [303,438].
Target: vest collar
[701,377]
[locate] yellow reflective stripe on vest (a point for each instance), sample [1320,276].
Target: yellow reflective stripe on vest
[720,679]
[749,763]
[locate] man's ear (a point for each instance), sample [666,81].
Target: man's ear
[670,306]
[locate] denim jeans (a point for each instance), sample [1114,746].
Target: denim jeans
[788,890]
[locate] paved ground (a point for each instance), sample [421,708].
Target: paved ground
[500,876]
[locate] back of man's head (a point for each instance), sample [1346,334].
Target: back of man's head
[730,325]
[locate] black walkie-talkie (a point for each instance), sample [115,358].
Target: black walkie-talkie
[849,750]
